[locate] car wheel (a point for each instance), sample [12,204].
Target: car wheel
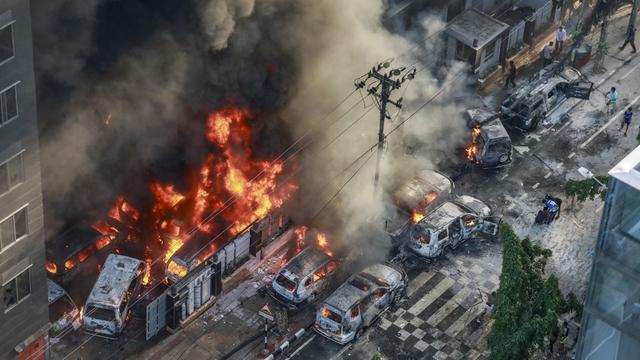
[503,158]
[358,334]
[399,294]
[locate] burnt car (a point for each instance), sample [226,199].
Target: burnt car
[108,306]
[357,303]
[63,312]
[303,278]
[490,146]
[79,247]
[414,197]
[451,224]
[536,99]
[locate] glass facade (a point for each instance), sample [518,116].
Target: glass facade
[611,320]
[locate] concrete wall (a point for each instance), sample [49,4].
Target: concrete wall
[30,315]
[486,61]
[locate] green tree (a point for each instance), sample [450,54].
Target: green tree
[527,303]
[582,190]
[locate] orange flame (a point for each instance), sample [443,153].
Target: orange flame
[472,150]
[323,244]
[416,216]
[102,242]
[69,264]
[51,267]
[177,269]
[147,273]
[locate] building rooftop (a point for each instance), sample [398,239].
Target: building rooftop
[472,25]
[628,169]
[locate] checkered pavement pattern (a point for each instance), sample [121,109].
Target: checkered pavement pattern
[443,315]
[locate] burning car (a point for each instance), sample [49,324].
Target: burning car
[413,198]
[490,143]
[357,303]
[534,100]
[451,224]
[63,312]
[107,308]
[304,277]
[79,247]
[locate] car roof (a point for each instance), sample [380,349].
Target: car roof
[493,130]
[443,215]
[374,276]
[307,261]
[54,291]
[114,280]
[71,241]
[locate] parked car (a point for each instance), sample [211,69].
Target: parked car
[79,247]
[63,312]
[451,224]
[107,308]
[357,303]
[490,145]
[536,99]
[303,278]
[425,190]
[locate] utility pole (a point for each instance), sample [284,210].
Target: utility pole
[381,89]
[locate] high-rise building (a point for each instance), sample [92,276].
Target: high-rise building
[24,319]
[611,321]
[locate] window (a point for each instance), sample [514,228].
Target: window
[13,228]
[442,235]
[6,43]
[490,51]
[16,290]
[8,104]
[11,173]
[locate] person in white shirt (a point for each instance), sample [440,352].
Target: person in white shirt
[561,36]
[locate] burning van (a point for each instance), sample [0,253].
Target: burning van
[536,99]
[357,303]
[490,143]
[425,190]
[451,224]
[107,308]
[304,277]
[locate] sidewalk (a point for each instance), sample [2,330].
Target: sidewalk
[528,61]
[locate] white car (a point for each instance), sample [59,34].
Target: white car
[451,224]
[357,303]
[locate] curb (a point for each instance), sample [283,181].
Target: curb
[286,344]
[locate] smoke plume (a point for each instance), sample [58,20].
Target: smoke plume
[132,83]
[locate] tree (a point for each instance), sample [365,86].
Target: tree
[580,190]
[527,304]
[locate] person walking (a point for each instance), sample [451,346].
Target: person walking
[511,78]
[547,54]
[612,100]
[561,36]
[630,39]
[626,120]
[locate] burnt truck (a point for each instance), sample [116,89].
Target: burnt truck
[451,224]
[303,278]
[414,197]
[490,146]
[536,99]
[107,308]
[357,303]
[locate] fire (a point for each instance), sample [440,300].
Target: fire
[230,189]
[416,216]
[81,312]
[301,235]
[325,312]
[69,264]
[102,242]
[323,244]
[84,254]
[177,269]
[147,272]
[51,267]
[319,274]
[472,150]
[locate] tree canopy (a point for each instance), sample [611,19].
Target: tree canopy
[527,303]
